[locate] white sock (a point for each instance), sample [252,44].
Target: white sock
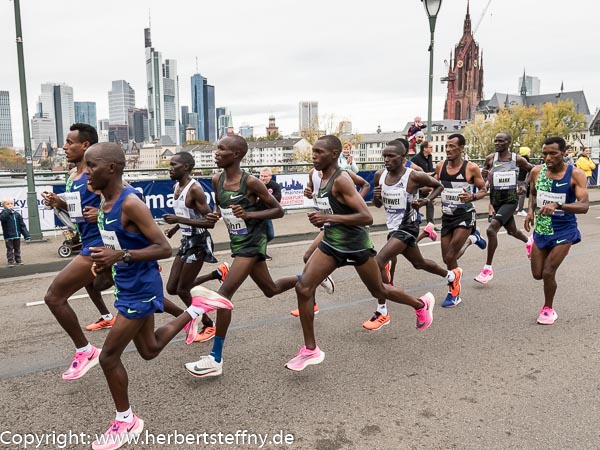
[108,316]
[86,349]
[473,239]
[125,416]
[195,311]
[382,309]
[451,276]
[487,267]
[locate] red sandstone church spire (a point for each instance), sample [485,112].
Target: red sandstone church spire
[465,76]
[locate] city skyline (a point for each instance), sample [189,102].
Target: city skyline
[355,76]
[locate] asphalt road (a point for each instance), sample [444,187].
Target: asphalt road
[484,376]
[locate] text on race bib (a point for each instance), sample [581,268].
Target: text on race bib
[110,240]
[235,225]
[505,180]
[73,200]
[186,230]
[544,198]
[394,202]
[323,205]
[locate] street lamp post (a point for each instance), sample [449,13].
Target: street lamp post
[32,206]
[432,8]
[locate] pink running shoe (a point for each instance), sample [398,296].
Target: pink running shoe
[191,329]
[529,246]
[209,300]
[485,276]
[430,232]
[425,314]
[547,316]
[305,357]
[118,434]
[81,364]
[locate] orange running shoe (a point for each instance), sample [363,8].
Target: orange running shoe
[101,324]
[223,270]
[206,334]
[454,287]
[296,312]
[388,271]
[377,321]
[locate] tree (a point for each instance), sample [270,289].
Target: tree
[196,142]
[527,125]
[10,161]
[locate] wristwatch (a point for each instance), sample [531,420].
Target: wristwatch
[126,256]
[559,205]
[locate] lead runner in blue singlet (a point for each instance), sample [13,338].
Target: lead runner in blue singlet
[132,245]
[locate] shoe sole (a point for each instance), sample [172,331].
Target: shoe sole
[214,373]
[484,282]
[192,332]
[378,328]
[459,283]
[98,329]
[293,315]
[310,362]
[124,439]
[92,364]
[453,305]
[210,299]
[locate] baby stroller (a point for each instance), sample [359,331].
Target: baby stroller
[72,242]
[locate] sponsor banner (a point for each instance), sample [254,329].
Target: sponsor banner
[292,191]
[19,194]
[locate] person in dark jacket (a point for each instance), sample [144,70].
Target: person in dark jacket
[266,176]
[424,160]
[13,227]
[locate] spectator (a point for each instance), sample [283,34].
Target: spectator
[346,160]
[569,156]
[522,178]
[13,227]
[416,127]
[585,163]
[424,160]
[266,176]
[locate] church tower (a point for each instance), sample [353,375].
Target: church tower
[272,129]
[465,76]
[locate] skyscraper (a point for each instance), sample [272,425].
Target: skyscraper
[138,125]
[203,104]
[308,112]
[85,112]
[222,118]
[163,96]
[57,107]
[121,98]
[532,85]
[6,138]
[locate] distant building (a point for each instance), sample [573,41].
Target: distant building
[137,124]
[188,120]
[345,127]
[246,131]
[203,104]
[118,134]
[6,137]
[272,129]
[43,130]
[153,154]
[222,119]
[163,93]
[121,98]
[308,113]
[85,112]
[532,85]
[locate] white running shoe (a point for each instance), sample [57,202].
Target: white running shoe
[328,285]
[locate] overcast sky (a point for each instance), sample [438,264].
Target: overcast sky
[362,61]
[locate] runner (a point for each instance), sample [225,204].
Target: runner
[503,169]
[459,178]
[192,216]
[132,245]
[82,204]
[557,192]
[345,216]
[397,190]
[237,197]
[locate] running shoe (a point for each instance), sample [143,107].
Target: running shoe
[118,434]
[101,324]
[328,285]
[296,312]
[454,286]
[485,276]
[529,246]
[82,362]
[450,301]
[191,331]
[388,271]
[209,300]
[547,316]
[480,242]
[205,367]
[425,314]
[429,230]
[206,334]
[223,271]
[522,213]
[305,357]
[377,321]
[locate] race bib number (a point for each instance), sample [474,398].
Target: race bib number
[186,230]
[544,198]
[450,200]
[73,200]
[110,240]
[323,205]
[235,225]
[394,202]
[503,181]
